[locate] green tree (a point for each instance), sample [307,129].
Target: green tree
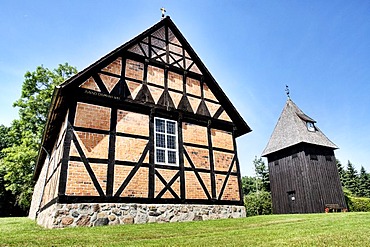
[341,172]
[18,164]
[4,140]
[19,157]
[250,184]
[364,183]
[351,181]
[262,173]
[7,199]
[258,203]
[257,196]
[37,91]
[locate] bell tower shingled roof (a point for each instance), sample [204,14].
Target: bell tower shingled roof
[291,129]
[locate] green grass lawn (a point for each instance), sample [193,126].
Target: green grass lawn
[335,229]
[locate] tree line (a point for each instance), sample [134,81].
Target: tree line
[357,183]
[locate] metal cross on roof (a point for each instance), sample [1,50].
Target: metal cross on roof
[163,10]
[287,91]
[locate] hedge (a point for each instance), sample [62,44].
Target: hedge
[358,204]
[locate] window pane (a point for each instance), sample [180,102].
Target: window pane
[171,142]
[160,156]
[159,125]
[171,157]
[160,141]
[171,128]
[165,134]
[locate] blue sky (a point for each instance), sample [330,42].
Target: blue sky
[321,49]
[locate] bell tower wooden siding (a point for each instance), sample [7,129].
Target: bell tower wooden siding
[310,173]
[108,147]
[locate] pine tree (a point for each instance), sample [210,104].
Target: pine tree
[367,194]
[364,183]
[351,180]
[341,172]
[262,173]
[363,189]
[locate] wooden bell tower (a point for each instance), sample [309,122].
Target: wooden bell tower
[303,171]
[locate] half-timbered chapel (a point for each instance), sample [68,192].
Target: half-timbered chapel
[302,166]
[145,134]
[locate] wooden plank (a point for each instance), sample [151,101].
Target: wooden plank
[206,147]
[112,152]
[109,74]
[99,199]
[66,149]
[181,159]
[90,130]
[100,83]
[167,45]
[132,136]
[211,161]
[151,179]
[237,168]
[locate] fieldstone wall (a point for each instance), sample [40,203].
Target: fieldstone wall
[85,214]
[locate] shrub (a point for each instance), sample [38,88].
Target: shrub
[358,204]
[258,203]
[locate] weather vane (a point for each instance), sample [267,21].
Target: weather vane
[163,10]
[287,91]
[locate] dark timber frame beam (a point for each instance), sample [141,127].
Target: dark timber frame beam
[67,146]
[111,152]
[211,161]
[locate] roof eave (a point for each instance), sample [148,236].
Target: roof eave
[41,153]
[268,153]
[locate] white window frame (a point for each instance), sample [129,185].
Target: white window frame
[310,126]
[166,149]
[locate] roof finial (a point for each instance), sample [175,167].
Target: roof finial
[287,91]
[163,10]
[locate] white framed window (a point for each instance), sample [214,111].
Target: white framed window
[310,126]
[165,142]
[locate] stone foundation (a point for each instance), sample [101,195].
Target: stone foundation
[85,214]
